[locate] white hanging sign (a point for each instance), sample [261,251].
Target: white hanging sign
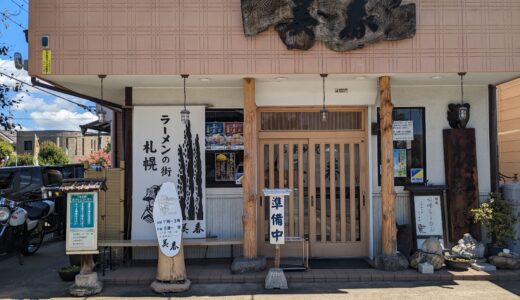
[276,214]
[167,150]
[168,221]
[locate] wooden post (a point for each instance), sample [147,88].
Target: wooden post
[277,255]
[250,170]
[389,230]
[171,269]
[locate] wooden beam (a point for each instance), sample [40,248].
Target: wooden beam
[389,230]
[250,169]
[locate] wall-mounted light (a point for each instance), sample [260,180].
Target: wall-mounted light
[324,113]
[45,41]
[185,113]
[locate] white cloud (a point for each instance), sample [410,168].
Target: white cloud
[30,102]
[61,120]
[7,67]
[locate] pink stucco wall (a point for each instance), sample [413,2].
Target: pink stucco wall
[205,37]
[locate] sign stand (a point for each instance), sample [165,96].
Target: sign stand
[82,231]
[275,277]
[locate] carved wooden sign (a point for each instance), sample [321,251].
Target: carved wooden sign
[341,24]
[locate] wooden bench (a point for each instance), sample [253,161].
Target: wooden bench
[109,244]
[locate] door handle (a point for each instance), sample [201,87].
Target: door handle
[364,199]
[312,201]
[261,200]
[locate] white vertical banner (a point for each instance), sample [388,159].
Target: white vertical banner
[167,150]
[276,215]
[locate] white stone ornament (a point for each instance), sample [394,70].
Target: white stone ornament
[167,217]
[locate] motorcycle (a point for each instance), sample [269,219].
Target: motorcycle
[24,224]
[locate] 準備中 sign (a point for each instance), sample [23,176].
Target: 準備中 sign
[276,215]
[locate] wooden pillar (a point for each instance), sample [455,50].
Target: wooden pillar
[250,170]
[389,230]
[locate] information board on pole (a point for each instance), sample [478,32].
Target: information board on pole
[276,214]
[82,211]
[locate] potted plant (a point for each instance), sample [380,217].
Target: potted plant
[496,215]
[69,273]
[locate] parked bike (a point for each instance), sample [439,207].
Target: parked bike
[23,225]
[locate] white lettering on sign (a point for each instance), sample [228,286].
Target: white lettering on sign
[403,130]
[81,223]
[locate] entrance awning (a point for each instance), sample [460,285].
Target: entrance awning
[96,125]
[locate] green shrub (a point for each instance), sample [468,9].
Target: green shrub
[496,214]
[52,154]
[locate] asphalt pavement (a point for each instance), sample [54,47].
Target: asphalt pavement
[38,278]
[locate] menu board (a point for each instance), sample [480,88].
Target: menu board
[428,216]
[224,135]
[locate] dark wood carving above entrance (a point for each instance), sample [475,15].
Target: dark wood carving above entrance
[341,24]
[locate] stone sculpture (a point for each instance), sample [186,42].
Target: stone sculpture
[469,247]
[341,24]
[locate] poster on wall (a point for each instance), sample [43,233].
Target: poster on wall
[234,132]
[225,166]
[167,150]
[399,162]
[215,138]
[403,130]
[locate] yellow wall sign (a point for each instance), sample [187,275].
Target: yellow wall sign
[46,61]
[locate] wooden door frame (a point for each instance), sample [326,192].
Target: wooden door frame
[338,135]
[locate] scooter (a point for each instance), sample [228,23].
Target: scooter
[23,225]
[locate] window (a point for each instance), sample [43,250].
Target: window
[224,147]
[28,145]
[409,146]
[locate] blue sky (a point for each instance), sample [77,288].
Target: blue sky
[37,110]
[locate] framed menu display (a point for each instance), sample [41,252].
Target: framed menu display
[428,213]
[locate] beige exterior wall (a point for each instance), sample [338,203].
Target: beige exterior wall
[74,143]
[508,106]
[206,37]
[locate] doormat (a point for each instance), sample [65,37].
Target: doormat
[342,263]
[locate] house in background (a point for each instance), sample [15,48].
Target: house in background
[75,144]
[8,137]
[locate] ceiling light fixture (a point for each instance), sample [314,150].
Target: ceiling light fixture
[324,112]
[185,113]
